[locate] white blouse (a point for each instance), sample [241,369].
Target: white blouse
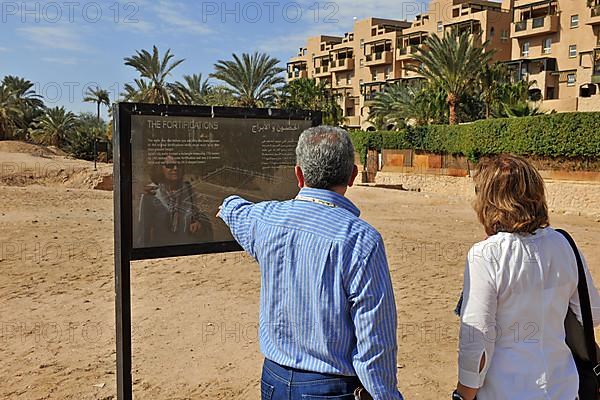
[517,289]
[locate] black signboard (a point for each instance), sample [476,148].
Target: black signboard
[102,147]
[173,166]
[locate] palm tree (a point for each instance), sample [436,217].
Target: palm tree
[193,90]
[513,100]
[30,103]
[54,127]
[10,112]
[137,93]
[307,94]
[521,110]
[408,102]
[491,81]
[98,96]
[156,71]
[220,95]
[253,78]
[453,63]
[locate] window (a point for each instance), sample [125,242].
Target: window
[547,46]
[573,51]
[492,31]
[574,21]
[440,26]
[504,36]
[374,76]
[362,62]
[349,79]
[388,73]
[525,49]
[571,80]
[362,43]
[360,82]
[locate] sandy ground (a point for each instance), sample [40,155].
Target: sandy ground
[195,318]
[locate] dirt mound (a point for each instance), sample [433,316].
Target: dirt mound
[14,146]
[23,168]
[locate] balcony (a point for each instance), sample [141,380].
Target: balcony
[535,26]
[594,15]
[297,74]
[370,97]
[405,53]
[353,121]
[322,71]
[344,64]
[381,58]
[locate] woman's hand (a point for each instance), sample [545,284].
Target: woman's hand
[466,392]
[194,227]
[150,189]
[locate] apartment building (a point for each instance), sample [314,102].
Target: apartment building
[555,45]
[361,63]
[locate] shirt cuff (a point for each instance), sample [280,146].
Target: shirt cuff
[469,378]
[225,207]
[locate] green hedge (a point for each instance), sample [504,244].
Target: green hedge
[569,135]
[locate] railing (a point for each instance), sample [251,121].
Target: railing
[338,63]
[370,96]
[520,26]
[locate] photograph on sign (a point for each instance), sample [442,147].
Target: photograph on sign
[183,168]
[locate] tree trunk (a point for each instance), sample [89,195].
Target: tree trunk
[98,111]
[453,104]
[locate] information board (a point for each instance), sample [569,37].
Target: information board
[173,167]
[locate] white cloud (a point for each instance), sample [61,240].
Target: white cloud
[175,16]
[290,43]
[337,18]
[345,10]
[61,60]
[53,37]
[137,27]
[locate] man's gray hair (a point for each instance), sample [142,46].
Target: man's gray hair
[326,156]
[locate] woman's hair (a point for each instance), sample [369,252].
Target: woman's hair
[509,195]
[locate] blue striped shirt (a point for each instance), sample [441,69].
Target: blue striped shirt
[326,301]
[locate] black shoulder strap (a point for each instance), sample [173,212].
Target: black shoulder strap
[584,301]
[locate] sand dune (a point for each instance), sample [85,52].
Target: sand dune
[195,318]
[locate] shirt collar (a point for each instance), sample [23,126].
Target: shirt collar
[332,197]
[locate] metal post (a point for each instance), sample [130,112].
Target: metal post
[123,245]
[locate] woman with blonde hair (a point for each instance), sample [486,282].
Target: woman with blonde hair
[518,285]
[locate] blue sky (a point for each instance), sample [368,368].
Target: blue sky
[65,46]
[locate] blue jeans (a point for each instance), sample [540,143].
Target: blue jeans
[284,383]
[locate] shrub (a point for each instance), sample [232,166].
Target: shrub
[567,135]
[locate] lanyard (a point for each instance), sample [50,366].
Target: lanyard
[318,201]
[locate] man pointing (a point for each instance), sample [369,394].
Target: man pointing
[327,311]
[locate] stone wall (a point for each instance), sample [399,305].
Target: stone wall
[582,198]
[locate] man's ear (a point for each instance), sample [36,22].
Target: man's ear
[299,176]
[353,177]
